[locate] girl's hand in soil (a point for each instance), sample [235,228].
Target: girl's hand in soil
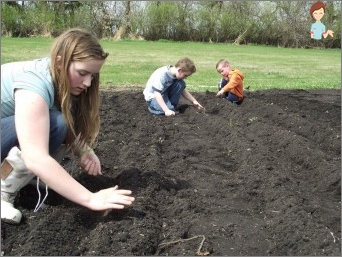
[90,163]
[110,198]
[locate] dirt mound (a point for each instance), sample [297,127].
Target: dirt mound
[262,178]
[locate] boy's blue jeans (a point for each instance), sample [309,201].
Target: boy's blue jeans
[228,96]
[232,98]
[9,138]
[171,98]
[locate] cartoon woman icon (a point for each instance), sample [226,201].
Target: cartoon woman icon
[317,11]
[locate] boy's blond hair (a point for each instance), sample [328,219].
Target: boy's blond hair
[186,65]
[222,61]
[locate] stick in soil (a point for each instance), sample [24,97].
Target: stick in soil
[199,253]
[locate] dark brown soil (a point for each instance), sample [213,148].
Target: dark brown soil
[262,178]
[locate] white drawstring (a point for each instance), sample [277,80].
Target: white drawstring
[38,206]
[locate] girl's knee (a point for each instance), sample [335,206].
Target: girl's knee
[58,130]
[62,126]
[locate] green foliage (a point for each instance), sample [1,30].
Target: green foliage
[160,20]
[10,19]
[277,23]
[208,24]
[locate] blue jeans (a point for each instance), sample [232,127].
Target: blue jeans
[9,138]
[171,98]
[228,96]
[231,97]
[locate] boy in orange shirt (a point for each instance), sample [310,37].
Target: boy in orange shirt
[231,85]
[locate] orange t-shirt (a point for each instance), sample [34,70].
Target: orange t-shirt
[235,83]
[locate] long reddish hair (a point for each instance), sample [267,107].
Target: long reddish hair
[81,113]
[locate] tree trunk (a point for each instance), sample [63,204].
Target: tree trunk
[240,38]
[125,30]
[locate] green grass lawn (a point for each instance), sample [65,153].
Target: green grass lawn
[130,63]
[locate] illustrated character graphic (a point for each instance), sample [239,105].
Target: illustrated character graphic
[317,11]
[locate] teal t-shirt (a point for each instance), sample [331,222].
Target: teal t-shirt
[30,75]
[318,28]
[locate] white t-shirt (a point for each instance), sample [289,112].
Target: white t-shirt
[159,81]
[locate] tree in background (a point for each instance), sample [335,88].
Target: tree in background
[282,23]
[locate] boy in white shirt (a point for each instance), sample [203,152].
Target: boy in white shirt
[166,85]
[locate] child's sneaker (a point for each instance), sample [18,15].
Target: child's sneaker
[14,176]
[9,214]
